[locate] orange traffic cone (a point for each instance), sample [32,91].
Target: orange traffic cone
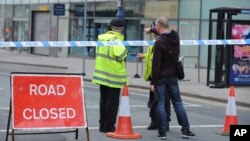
[231,114]
[124,126]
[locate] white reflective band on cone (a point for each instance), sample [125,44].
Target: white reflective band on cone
[231,106]
[124,107]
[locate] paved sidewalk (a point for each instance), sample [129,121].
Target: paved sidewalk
[189,87]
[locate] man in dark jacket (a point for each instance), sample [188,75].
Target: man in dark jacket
[164,79]
[147,76]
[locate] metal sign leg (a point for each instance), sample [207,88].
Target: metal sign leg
[87,133]
[8,123]
[76,137]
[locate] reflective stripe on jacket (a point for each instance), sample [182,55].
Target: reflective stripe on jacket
[110,69]
[148,66]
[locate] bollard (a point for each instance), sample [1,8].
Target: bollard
[137,72]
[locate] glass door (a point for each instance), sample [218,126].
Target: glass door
[76,34]
[21,34]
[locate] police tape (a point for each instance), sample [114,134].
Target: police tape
[117,43]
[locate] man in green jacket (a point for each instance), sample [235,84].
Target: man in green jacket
[147,76]
[110,73]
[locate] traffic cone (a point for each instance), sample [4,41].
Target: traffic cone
[231,114]
[124,126]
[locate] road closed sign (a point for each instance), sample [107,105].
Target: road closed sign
[44,101]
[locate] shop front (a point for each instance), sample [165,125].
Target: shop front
[37,22]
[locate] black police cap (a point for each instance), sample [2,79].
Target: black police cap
[117,23]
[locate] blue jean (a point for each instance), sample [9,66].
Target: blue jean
[171,86]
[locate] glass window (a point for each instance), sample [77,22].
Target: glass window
[17,1]
[173,25]
[21,11]
[8,11]
[21,33]
[132,28]
[33,1]
[63,29]
[43,1]
[9,1]
[76,34]
[2,1]
[63,35]
[90,8]
[54,1]
[75,0]
[189,30]
[133,8]
[2,29]
[207,5]
[8,29]
[25,1]
[165,8]
[2,10]
[193,13]
[105,9]
[63,0]
[203,48]
[77,29]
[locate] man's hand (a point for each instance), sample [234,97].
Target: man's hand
[139,55]
[152,88]
[147,30]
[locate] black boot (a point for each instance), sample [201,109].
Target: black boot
[152,126]
[102,129]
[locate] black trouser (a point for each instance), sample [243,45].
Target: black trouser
[109,104]
[152,103]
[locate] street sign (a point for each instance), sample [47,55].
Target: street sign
[42,101]
[59,9]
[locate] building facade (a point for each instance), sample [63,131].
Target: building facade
[34,20]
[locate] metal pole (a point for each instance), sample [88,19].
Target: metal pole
[8,123]
[84,37]
[199,50]
[85,19]
[137,71]
[57,32]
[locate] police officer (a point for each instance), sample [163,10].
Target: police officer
[110,73]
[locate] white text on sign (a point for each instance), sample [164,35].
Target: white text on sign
[47,90]
[45,113]
[52,113]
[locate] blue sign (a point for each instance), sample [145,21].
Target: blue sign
[59,9]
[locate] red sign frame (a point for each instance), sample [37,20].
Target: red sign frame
[45,101]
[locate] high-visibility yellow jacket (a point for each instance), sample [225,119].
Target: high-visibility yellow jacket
[148,56]
[110,69]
